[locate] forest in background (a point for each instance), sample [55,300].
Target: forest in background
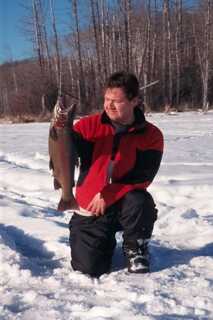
[166,40]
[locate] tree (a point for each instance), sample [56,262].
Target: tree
[56,49]
[178,46]
[81,79]
[203,40]
[167,54]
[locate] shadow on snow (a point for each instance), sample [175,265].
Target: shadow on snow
[163,257]
[33,254]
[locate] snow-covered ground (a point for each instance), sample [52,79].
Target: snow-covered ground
[36,279]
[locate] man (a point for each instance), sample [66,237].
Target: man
[120,154]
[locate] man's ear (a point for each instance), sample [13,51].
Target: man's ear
[135,101]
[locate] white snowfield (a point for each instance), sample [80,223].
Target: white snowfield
[36,279]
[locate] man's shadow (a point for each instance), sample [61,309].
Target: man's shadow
[32,251]
[162,257]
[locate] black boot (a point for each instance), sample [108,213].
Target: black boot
[137,255]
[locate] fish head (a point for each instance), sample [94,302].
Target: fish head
[60,106]
[64,110]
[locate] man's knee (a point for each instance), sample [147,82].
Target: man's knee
[141,201]
[89,258]
[91,265]
[91,248]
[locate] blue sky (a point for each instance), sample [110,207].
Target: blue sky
[13,42]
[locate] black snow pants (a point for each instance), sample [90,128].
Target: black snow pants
[92,239]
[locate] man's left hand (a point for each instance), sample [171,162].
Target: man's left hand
[97,206]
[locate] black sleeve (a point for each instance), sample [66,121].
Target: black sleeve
[146,166]
[84,149]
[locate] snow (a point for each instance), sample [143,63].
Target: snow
[37,281]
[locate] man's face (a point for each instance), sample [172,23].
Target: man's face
[118,107]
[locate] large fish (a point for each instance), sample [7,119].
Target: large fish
[62,153]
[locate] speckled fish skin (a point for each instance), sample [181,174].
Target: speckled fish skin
[62,155]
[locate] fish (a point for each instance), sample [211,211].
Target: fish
[62,153]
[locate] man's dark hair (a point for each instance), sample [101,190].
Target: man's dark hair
[125,80]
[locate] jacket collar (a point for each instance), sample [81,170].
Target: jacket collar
[138,125]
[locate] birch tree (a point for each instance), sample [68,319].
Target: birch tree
[178,46]
[81,79]
[167,54]
[205,70]
[96,30]
[56,48]
[38,34]
[202,41]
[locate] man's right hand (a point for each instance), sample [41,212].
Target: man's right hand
[97,206]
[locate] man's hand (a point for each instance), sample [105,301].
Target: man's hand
[97,206]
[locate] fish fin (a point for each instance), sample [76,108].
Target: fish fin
[51,167]
[53,133]
[67,205]
[56,184]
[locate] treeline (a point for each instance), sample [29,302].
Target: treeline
[166,40]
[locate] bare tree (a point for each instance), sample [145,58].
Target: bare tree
[96,30]
[81,79]
[56,47]
[44,38]
[202,41]
[178,46]
[38,34]
[206,69]
[147,64]
[167,54]
[103,26]
[154,41]
[126,8]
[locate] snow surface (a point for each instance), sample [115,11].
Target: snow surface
[36,278]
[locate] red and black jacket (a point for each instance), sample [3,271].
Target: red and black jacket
[114,162]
